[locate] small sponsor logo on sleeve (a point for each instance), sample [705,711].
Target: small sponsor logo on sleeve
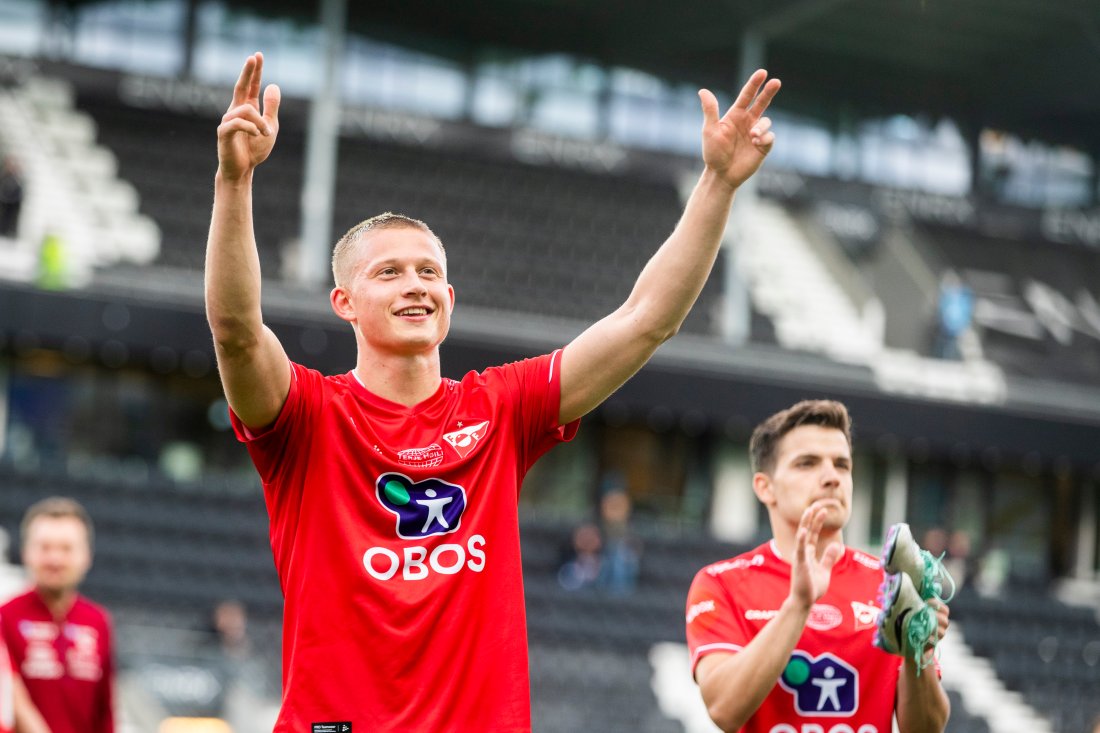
[740,563]
[339,727]
[700,608]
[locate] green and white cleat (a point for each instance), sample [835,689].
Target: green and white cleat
[902,554]
[906,625]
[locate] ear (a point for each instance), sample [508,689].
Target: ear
[341,304]
[451,293]
[762,487]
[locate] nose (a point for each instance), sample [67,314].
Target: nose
[413,285]
[829,475]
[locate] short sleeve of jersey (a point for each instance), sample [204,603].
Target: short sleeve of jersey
[534,387]
[268,447]
[713,622]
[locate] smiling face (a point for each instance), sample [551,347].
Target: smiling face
[396,294]
[813,463]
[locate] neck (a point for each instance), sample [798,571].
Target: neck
[406,380]
[57,601]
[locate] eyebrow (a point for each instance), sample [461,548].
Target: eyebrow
[419,262]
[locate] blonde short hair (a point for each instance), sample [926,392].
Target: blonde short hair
[389,220]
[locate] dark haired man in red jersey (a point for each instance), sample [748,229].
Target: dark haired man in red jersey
[392,492]
[789,637]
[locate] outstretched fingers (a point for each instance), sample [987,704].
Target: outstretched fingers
[247,87]
[272,98]
[710,106]
[756,95]
[246,118]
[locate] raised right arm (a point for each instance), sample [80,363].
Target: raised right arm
[254,368]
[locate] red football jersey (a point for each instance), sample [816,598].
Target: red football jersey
[7,692]
[67,666]
[396,540]
[836,681]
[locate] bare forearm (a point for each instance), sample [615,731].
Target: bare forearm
[735,688]
[923,706]
[233,265]
[673,278]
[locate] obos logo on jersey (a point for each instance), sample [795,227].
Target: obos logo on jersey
[824,685]
[423,508]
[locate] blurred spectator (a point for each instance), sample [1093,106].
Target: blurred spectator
[11,197]
[935,541]
[581,566]
[60,642]
[958,557]
[622,550]
[242,674]
[229,624]
[51,263]
[955,312]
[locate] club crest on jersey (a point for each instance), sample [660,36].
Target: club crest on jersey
[423,508]
[824,685]
[465,439]
[866,614]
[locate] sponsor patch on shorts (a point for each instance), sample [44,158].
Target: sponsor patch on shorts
[338,727]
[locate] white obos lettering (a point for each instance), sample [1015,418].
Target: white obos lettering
[383,563]
[816,728]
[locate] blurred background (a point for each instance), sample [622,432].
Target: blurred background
[923,244]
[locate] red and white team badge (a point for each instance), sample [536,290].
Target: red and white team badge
[866,614]
[465,438]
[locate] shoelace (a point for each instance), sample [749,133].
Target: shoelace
[921,632]
[935,574]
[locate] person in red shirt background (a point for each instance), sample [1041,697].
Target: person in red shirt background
[60,642]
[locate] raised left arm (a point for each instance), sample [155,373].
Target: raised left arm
[922,705]
[609,352]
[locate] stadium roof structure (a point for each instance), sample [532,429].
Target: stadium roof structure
[1030,67]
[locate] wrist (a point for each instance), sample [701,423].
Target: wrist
[222,179]
[713,180]
[798,606]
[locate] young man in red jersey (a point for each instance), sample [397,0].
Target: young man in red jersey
[392,492]
[782,637]
[60,642]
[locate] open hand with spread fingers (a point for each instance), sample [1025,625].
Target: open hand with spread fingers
[246,135]
[810,575]
[735,144]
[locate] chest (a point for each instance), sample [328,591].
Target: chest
[49,650]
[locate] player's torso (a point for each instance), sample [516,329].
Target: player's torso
[835,680]
[404,566]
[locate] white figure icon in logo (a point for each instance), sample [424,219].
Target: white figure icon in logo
[829,687]
[435,509]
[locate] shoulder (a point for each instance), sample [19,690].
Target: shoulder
[90,610]
[862,561]
[747,563]
[16,604]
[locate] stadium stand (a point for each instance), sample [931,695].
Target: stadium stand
[576,232]
[1043,649]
